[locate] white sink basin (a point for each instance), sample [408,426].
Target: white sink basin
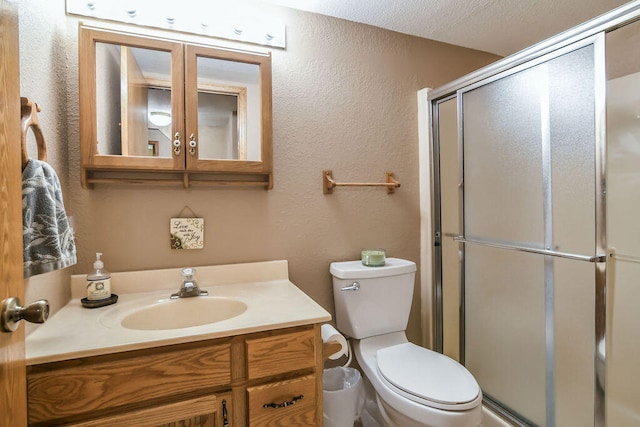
[176,313]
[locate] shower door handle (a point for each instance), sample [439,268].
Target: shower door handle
[595,258]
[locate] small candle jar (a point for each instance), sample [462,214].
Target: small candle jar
[373,257]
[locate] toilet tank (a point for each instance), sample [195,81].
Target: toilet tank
[382,301]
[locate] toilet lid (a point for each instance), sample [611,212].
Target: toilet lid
[427,377]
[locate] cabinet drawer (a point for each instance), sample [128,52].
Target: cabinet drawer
[280,353]
[270,404]
[69,389]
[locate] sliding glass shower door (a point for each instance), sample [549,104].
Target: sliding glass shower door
[532,270]
[623,229]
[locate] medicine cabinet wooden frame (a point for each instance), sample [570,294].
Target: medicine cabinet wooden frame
[184,167]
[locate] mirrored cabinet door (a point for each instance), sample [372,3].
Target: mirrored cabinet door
[228,115]
[131,99]
[134,115]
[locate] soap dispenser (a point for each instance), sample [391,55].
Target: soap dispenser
[98,286]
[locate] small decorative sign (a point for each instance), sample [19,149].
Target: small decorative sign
[187,233]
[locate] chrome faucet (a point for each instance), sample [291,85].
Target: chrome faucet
[189,286]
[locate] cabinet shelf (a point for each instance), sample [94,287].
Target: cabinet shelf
[177,179]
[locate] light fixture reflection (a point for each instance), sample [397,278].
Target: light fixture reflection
[160,118]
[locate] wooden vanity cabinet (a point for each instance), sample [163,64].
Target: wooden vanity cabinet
[263,379]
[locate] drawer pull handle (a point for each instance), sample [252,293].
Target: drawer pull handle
[283,404]
[225,416]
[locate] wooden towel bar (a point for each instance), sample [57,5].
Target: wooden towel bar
[328,183]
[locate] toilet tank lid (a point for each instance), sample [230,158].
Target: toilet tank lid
[356,270]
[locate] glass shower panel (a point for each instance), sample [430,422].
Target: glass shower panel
[621,361]
[503,186]
[623,228]
[623,140]
[572,137]
[574,319]
[536,140]
[450,225]
[505,327]
[505,333]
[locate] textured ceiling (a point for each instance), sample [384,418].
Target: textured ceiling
[502,27]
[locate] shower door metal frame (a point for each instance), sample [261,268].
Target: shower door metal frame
[590,32]
[436,215]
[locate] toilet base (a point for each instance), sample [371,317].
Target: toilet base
[371,416]
[367,420]
[377,413]
[400,411]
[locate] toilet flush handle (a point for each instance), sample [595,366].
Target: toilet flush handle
[355,286]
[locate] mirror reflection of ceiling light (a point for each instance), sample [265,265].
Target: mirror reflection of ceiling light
[160,118]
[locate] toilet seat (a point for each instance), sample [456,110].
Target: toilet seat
[427,377]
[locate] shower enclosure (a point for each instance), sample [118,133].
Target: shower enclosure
[536,242]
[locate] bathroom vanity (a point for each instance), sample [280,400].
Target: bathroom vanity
[262,367]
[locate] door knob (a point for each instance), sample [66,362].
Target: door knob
[12,313]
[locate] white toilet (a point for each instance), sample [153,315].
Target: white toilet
[409,385]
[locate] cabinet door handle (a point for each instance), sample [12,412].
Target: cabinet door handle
[283,404]
[177,144]
[192,144]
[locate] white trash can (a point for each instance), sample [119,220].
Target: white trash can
[343,396]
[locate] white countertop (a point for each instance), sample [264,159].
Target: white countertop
[75,331]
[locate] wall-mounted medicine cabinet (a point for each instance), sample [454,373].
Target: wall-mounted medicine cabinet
[162,111]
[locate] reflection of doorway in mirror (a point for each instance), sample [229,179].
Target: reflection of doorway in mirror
[152,148]
[222,122]
[164,148]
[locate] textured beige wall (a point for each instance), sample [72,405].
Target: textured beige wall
[344,98]
[46,66]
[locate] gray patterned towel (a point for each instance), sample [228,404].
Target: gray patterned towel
[47,237]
